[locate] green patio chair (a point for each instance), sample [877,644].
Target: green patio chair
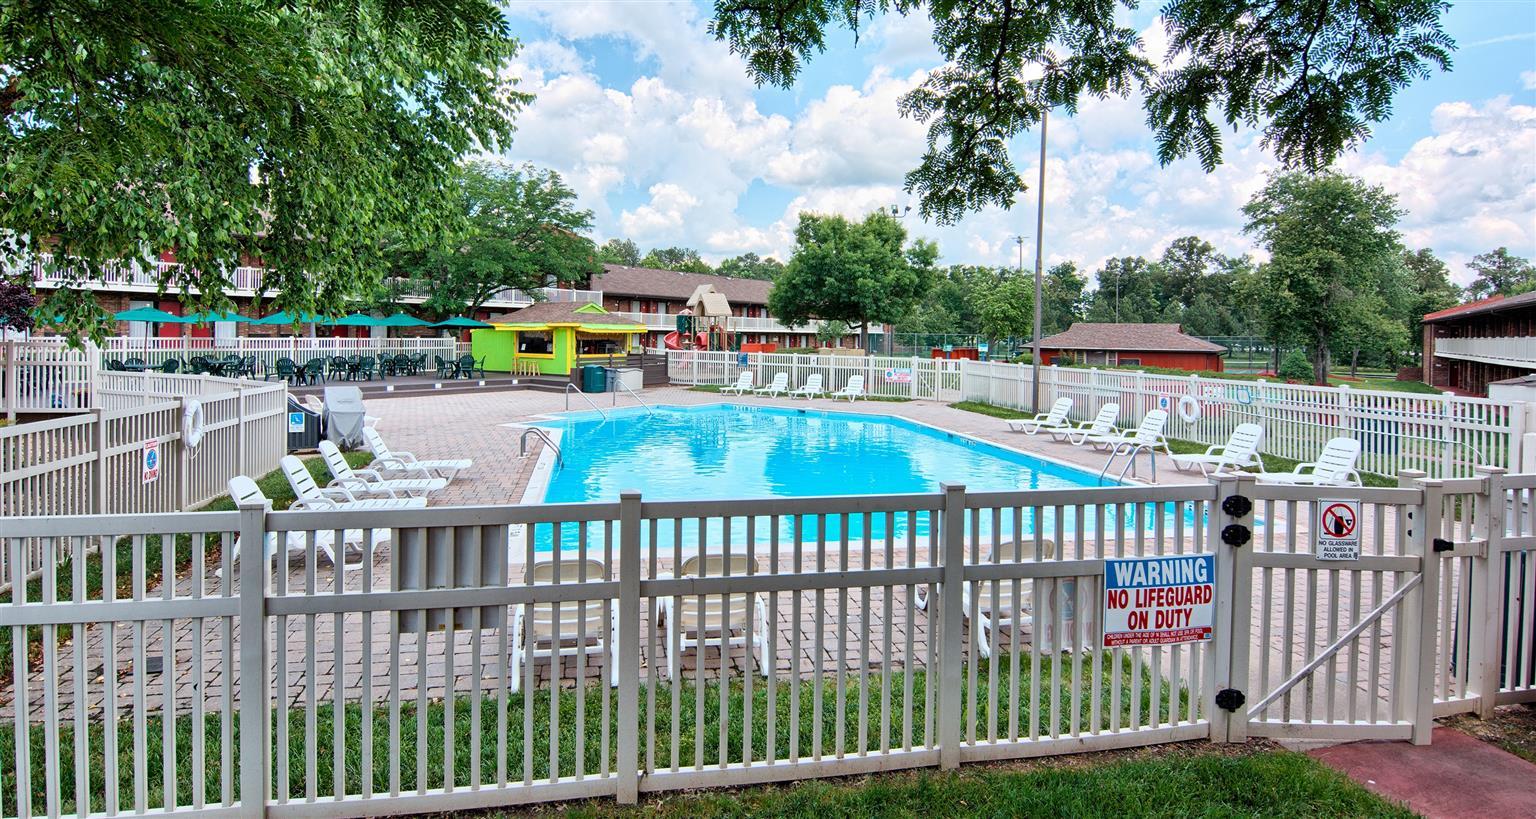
[170,365]
[314,371]
[338,367]
[364,368]
[468,367]
[283,368]
[247,367]
[444,369]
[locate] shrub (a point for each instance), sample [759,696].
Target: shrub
[1296,367]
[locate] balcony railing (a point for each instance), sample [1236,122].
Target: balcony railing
[743,324]
[1510,351]
[133,275]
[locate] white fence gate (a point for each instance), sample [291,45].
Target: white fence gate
[721,642]
[886,376]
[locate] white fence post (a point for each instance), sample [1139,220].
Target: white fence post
[1421,610]
[1234,602]
[952,649]
[1487,593]
[99,473]
[255,705]
[626,765]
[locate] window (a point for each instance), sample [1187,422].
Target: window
[533,342]
[1130,362]
[599,344]
[1096,357]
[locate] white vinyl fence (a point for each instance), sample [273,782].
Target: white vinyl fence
[1443,435]
[45,377]
[267,350]
[888,376]
[844,635]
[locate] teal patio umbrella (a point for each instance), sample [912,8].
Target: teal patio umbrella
[286,317]
[209,317]
[149,314]
[460,322]
[402,320]
[356,320]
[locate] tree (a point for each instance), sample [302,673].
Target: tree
[523,231]
[1061,300]
[305,134]
[1007,308]
[1430,287]
[1313,75]
[949,307]
[854,272]
[684,259]
[1128,292]
[1295,367]
[17,307]
[1500,273]
[619,251]
[1333,249]
[749,266]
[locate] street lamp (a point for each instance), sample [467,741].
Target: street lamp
[1039,288]
[900,213]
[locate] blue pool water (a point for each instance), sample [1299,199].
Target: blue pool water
[727,451]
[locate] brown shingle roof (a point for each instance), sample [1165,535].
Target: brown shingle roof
[558,312]
[1149,337]
[645,282]
[1492,304]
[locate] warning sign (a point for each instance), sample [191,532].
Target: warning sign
[295,422]
[898,375]
[151,461]
[1151,601]
[1338,530]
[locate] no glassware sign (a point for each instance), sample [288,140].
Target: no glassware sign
[1155,601]
[1338,530]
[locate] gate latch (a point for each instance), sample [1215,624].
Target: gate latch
[1443,545]
[1230,699]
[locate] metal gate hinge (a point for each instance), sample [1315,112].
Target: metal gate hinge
[1230,699]
[1235,534]
[1443,545]
[1236,506]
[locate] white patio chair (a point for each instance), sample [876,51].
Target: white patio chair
[1240,451]
[595,620]
[811,389]
[1335,466]
[1147,435]
[309,495]
[778,386]
[244,491]
[364,482]
[852,390]
[1102,424]
[689,626]
[1056,418]
[996,615]
[397,463]
[742,385]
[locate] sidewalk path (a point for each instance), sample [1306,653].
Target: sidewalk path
[1454,776]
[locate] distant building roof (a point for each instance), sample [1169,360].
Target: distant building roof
[1492,304]
[547,313]
[1149,337]
[645,282]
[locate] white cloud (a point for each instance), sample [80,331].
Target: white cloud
[1528,80]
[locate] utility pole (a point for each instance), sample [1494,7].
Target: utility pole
[1039,258]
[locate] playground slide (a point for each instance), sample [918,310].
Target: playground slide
[672,341]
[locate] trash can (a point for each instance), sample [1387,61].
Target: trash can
[303,427]
[633,378]
[344,416]
[611,379]
[594,378]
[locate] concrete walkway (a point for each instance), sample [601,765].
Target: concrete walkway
[1454,776]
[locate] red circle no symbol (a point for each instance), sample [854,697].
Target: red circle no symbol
[1339,520]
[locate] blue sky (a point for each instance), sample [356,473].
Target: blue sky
[665,138]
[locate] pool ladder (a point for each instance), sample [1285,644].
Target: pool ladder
[569,388]
[632,394]
[522,449]
[1131,449]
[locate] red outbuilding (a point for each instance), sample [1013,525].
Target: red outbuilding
[1131,345]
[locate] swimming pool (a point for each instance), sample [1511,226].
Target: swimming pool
[730,451]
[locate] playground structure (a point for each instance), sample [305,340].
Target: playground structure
[703,324]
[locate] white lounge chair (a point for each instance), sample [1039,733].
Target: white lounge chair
[778,386]
[1045,421]
[1240,451]
[595,622]
[1335,466]
[1148,435]
[852,390]
[397,463]
[811,388]
[998,615]
[366,482]
[244,490]
[688,626]
[1102,424]
[742,386]
[309,495]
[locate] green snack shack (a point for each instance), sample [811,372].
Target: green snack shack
[553,338]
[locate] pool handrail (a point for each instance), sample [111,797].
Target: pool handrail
[584,397]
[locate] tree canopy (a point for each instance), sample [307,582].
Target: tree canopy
[1313,75]
[303,136]
[1006,309]
[751,266]
[684,259]
[854,272]
[1502,273]
[1335,261]
[619,251]
[522,230]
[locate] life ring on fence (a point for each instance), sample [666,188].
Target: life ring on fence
[1189,409]
[192,424]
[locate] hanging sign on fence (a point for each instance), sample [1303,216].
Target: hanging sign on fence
[1338,529]
[151,461]
[295,422]
[898,375]
[1152,601]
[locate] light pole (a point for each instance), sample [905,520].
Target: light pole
[1039,257]
[890,338]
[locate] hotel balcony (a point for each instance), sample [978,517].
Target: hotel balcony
[1508,351]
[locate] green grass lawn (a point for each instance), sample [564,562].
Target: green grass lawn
[715,388]
[1272,463]
[1191,779]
